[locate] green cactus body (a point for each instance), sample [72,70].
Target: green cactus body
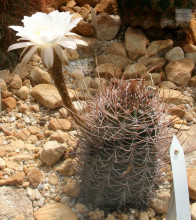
[119,160]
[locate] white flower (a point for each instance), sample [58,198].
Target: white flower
[48,32]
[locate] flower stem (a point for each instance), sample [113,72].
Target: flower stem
[57,75]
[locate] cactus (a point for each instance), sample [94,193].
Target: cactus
[122,147]
[11,13]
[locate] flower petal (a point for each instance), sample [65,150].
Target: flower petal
[61,54]
[48,57]
[19,45]
[28,55]
[81,42]
[68,43]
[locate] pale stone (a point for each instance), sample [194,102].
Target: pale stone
[16,179]
[16,82]
[52,152]
[47,95]
[71,188]
[23,92]
[119,61]
[192,82]
[179,72]
[110,217]
[23,134]
[53,179]
[160,204]
[8,103]
[6,76]
[159,48]
[134,70]
[3,86]
[151,213]
[13,202]
[143,216]
[167,85]
[107,27]
[59,124]
[116,48]
[193,211]
[175,53]
[2,163]
[152,63]
[22,71]
[92,50]
[191,56]
[181,127]
[84,83]
[34,129]
[108,70]
[71,4]
[96,215]
[80,208]
[174,97]
[60,136]
[21,157]
[189,48]
[71,54]
[13,146]
[77,74]
[38,76]
[35,177]
[135,43]
[98,82]
[84,12]
[67,167]
[56,211]
[191,175]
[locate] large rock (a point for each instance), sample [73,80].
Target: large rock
[191,174]
[192,56]
[52,152]
[116,48]
[14,201]
[38,76]
[84,29]
[175,53]
[159,48]
[107,27]
[179,71]
[56,211]
[174,97]
[160,204]
[92,50]
[135,43]
[47,95]
[134,70]
[119,61]
[108,70]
